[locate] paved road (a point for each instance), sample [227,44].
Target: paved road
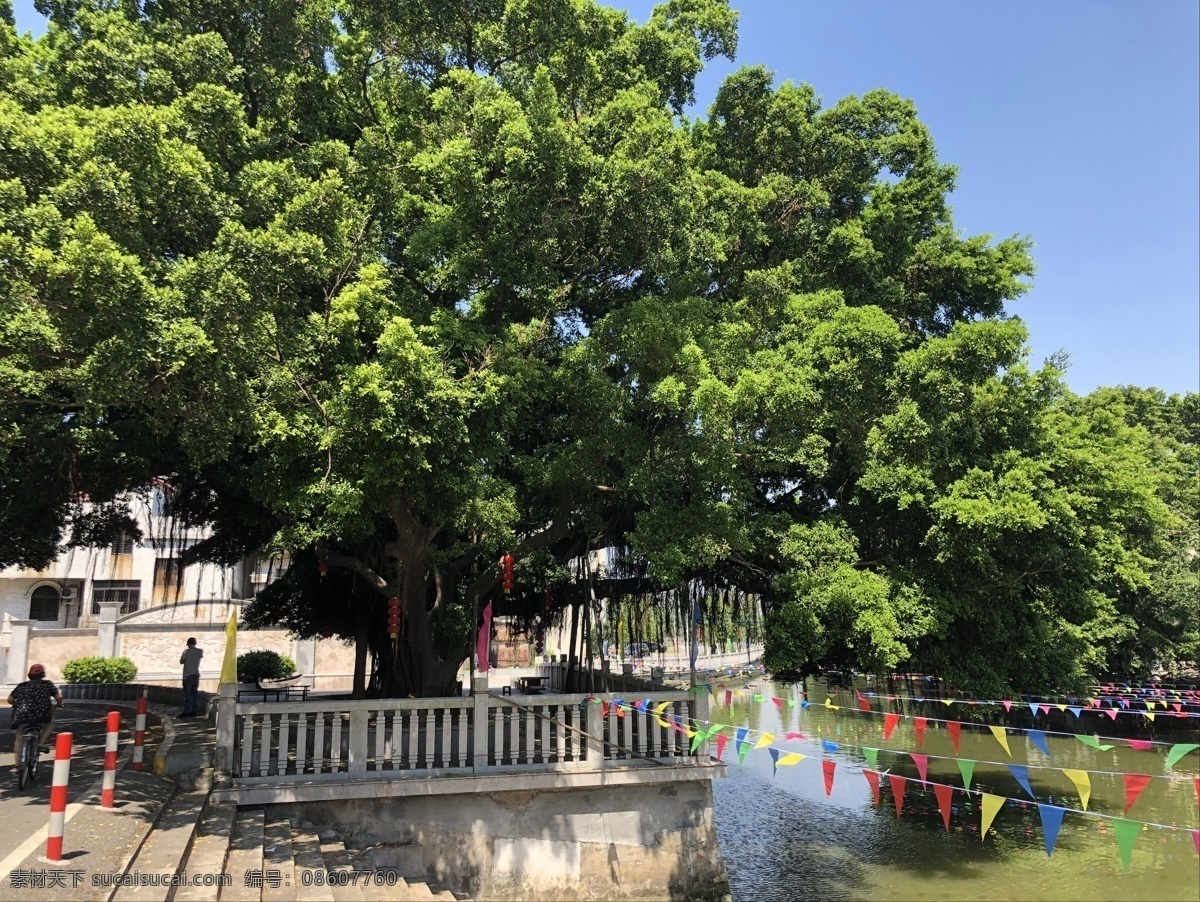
[22,813]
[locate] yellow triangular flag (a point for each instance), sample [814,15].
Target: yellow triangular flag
[948,701]
[789,758]
[765,739]
[1061,707]
[1150,716]
[662,723]
[1001,737]
[829,704]
[661,708]
[690,732]
[229,665]
[1082,782]
[991,804]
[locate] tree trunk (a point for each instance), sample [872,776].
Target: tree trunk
[361,648]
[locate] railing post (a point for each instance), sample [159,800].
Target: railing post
[357,765]
[595,735]
[699,708]
[226,717]
[479,724]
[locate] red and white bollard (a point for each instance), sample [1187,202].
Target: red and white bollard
[58,797]
[139,734]
[108,788]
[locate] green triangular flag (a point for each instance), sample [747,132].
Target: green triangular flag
[966,767]
[791,703]
[1092,741]
[1179,750]
[872,757]
[1127,832]
[742,752]
[700,737]
[759,698]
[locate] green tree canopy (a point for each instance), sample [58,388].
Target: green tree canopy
[395,288]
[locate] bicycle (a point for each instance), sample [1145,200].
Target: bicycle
[27,767]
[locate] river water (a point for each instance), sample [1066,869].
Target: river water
[783,838]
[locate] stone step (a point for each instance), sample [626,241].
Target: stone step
[166,846]
[244,863]
[309,868]
[340,871]
[279,865]
[207,854]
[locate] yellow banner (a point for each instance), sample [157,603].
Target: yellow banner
[991,804]
[765,739]
[1082,782]
[789,758]
[229,665]
[1001,737]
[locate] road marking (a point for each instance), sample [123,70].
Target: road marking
[38,838]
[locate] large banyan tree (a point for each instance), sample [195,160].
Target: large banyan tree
[397,288]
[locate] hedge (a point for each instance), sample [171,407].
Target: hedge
[99,670]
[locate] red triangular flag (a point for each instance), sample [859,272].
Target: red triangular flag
[1111,712]
[873,780]
[889,724]
[829,767]
[922,762]
[943,793]
[864,704]
[919,726]
[603,709]
[1142,745]
[1045,709]
[721,740]
[1197,779]
[778,702]
[898,791]
[1176,707]
[1007,706]
[955,728]
[1134,784]
[1196,840]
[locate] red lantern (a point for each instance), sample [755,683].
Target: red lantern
[507,581]
[393,622]
[322,568]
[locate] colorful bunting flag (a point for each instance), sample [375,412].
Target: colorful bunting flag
[949,701]
[790,758]
[1112,713]
[741,744]
[828,767]
[1074,710]
[721,740]
[1179,750]
[955,729]
[897,783]
[1038,738]
[1142,745]
[990,804]
[966,767]
[1021,773]
[1001,737]
[829,746]
[863,704]
[778,702]
[1082,782]
[774,761]
[889,724]
[1092,741]
[1052,817]
[1007,705]
[1195,835]
[873,781]
[764,740]
[791,736]
[1134,784]
[1033,708]
[830,705]
[1045,709]
[872,756]
[728,698]
[1127,832]
[660,708]
[919,726]
[922,762]
[944,794]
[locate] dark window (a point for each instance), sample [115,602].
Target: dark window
[123,544]
[126,591]
[43,604]
[167,573]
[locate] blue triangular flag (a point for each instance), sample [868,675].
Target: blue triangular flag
[774,759]
[1021,772]
[1038,738]
[1051,822]
[805,703]
[829,746]
[1033,708]
[1074,711]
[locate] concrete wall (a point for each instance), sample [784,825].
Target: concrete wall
[653,841]
[54,648]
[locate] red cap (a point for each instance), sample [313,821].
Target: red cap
[37,669]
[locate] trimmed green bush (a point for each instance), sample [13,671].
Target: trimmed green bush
[99,670]
[264,665]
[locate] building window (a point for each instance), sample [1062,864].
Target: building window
[123,544]
[43,604]
[127,591]
[167,573]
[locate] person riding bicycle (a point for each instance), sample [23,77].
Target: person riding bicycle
[31,706]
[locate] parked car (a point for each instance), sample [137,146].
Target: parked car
[637,650]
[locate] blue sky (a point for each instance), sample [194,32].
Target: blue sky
[1076,122]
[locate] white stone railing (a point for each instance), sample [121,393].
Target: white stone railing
[338,739]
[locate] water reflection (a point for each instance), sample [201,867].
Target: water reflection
[782,838]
